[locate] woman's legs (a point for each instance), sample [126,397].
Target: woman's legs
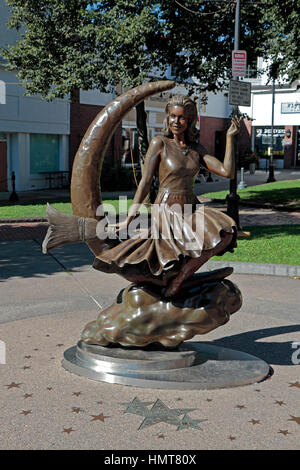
[193,264]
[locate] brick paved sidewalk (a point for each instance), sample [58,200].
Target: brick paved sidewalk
[23,231]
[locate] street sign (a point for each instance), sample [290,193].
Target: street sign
[239,63]
[239,93]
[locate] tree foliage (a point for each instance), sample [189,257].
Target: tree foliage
[68,44]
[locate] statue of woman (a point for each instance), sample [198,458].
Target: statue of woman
[178,157]
[160,257]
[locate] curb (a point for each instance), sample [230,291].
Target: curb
[255,205]
[23,221]
[287,270]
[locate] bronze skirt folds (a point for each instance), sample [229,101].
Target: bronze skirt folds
[179,228]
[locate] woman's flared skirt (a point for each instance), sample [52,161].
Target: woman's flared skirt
[171,235]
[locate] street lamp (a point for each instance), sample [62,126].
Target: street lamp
[271,178]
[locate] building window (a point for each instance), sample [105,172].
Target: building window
[263,140]
[44,153]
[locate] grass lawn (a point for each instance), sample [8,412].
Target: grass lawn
[279,193]
[278,244]
[30,210]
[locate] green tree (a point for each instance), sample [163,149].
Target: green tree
[72,44]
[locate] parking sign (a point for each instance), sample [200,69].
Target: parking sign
[239,93]
[239,63]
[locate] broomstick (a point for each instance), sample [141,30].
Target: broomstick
[67,228]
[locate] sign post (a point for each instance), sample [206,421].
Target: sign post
[233,198]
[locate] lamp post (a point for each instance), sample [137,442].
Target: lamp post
[233,198]
[271,178]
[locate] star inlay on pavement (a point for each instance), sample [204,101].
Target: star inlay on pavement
[284,432]
[254,421]
[99,417]
[77,394]
[188,422]
[27,395]
[232,438]
[136,406]
[161,413]
[240,407]
[68,430]
[25,412]
[295,384]
[13,385]
[76,410]
[280,403]
[295,418]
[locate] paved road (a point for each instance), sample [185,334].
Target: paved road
[43,311]
[33,284]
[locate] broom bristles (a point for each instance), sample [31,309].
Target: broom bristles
[67,228]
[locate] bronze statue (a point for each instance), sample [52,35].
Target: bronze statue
[160,264]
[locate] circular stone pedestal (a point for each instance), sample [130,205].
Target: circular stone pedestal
[193,365]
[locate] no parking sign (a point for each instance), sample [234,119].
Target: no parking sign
[239,63]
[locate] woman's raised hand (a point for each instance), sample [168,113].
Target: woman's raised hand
[235,126]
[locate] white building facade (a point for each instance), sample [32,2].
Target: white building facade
[34,133]
[286,121]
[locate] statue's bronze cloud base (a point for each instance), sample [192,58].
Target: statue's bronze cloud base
[141,315]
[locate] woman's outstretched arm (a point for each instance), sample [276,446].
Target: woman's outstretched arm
[227,168]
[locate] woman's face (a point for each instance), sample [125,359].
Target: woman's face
[178,120]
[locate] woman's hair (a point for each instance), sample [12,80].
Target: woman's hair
[192,133]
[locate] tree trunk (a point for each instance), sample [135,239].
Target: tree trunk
[141,123]
[143,143]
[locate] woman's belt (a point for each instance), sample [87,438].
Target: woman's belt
[179,191]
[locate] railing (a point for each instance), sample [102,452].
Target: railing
[56,179]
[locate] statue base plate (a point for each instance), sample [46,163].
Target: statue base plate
[192,365]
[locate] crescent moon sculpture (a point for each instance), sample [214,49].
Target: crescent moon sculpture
[85,187]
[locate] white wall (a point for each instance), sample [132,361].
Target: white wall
[262,109]
[217,106]
[21,116]
[31,113]
[95,97]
